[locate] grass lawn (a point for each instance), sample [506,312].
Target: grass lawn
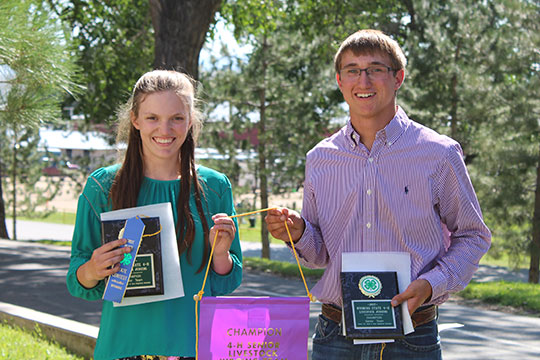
[55,218]
[18,344]
[504,261]
[253,234]
[520,296]
[280,267]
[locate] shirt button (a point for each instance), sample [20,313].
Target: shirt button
[370,159]
[389,143]
[368,225]
[369,192]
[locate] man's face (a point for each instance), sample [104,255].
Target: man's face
[370,97]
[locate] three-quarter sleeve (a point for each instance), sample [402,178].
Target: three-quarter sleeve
[227,283]
[86,237]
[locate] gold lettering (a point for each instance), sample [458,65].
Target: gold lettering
[254,332]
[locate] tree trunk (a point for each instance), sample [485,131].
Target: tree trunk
[14,185]
[3,227]
[265,252]
[180,28]
[535,245]
[455,99]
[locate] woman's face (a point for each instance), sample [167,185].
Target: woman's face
[163,121]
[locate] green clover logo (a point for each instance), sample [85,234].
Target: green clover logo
[370,286]
[127,259]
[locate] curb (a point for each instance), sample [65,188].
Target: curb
[76,337]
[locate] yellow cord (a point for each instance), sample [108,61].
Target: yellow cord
[298,262]
[197,297]
[150,235]
[252,212]
[382,349]
[157,232]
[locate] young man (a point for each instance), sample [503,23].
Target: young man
[384,183]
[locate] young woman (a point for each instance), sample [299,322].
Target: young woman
[160,124]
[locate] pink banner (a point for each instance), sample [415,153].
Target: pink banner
[261,328]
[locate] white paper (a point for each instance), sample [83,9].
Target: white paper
[399,262]
[172,275]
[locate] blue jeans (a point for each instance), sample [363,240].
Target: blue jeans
[329,344]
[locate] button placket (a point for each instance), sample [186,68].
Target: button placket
[369,200]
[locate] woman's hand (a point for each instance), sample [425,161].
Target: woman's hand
[105,261]
[226,230]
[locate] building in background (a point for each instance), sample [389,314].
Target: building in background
[67,150]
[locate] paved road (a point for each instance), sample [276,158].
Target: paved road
[33,276]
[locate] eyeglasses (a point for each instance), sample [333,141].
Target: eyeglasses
[376,72]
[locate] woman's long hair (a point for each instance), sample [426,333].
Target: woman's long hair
[128,180]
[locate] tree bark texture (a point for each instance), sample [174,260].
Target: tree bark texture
[455,99]
[265,252]
[534,276]
[14,185]
[3,227]
[180,28]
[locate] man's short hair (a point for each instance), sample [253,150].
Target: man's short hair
[369,42]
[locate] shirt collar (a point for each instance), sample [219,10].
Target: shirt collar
[396,126]
[391,132]
[352,137]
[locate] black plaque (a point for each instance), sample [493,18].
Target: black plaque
[366,305]
[147,274]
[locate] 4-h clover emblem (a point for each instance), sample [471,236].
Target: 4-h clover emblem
[127,259]
[370,286]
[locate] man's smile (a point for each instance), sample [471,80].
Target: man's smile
[364,96]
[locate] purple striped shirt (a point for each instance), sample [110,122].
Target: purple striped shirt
[400,196]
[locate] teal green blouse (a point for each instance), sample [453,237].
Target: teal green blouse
[164,327]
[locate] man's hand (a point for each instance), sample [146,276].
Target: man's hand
[275,219]
[416,294]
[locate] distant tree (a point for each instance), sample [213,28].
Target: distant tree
[508,167]
[115,46]
[119,40]
[451,52]
[38,69]
[473,70]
